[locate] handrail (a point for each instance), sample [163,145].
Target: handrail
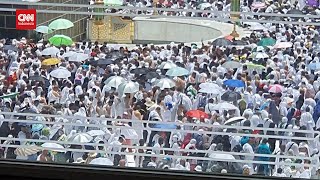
[177,156]
[144,121]
[225,20]
[161,9]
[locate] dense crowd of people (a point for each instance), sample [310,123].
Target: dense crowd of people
[267,80]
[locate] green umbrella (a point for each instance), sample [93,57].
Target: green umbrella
[61,24]
[12,95]
[113,2]
[58,40]
[267,42]
[254,66]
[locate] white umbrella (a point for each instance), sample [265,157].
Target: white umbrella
[128,87]
[96,133]
[203,6]
[114,81]
[78,57]
[50,51]
[60,73]
[167,65]
[281,45]
[231,65]
[43,29]
[224,106]
[210,91]
[255,26]
[80,138]
[102,161]
[165,83]
[69,54]
[261,55]
[209,86]
[54,147]
[218,156]
[234,120]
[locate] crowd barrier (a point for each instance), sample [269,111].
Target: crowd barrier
[31,116]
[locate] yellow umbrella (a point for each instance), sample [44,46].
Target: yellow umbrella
[51,61]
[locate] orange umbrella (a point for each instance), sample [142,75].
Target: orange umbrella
[197,114]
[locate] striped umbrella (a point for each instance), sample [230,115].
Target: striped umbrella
[26,151]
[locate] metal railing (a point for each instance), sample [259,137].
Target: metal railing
[135,9]
[180,151]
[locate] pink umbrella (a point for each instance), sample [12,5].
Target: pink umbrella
[258,5]
[281,45]
[276,88]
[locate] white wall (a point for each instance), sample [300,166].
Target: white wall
[176,30]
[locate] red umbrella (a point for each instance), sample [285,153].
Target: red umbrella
[197,114]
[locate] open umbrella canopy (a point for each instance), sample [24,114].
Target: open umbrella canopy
[114,81]
[231,96]
[102,161]
[113,2]
[221,156]
[61,24]
[210,91]
[151,75]
[10,47]
[60,73]
[197,114]
[51,61]
[11,95]
[224,106]
[106,61]
[233,83]
[43,29]
[276,88]
[50,51]
[140,71]
[167,65]
[266,42]
[177,71]
[281,45]
[209,86]
[234,120]
[314,66]
[205,5]
[260,55]
[231,65]
[53,147]
[78,57]
[27,151]
[259,49]
[37,78]
[96,133]
[165,83]
[221,42]
[295,11]
[80,138]
[59,40]
[240,43]
[254,66]
[128,87]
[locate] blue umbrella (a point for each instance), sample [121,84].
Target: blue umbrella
[314,66]
[36,127]
[233,83]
